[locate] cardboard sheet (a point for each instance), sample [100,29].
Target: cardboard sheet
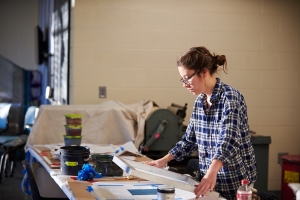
[79,189]
[47,156]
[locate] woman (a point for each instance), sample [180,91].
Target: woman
[218,127]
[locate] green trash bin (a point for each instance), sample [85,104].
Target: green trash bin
[261,149]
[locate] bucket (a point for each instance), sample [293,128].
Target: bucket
[72,159]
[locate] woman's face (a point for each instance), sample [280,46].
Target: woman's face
[195,83]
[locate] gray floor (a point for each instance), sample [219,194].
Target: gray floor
[10,187]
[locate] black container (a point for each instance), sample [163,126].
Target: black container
[165,192]
[103,164]
[72,159]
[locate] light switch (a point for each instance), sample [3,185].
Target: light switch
[102,92]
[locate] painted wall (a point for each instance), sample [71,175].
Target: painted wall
[131,46]
[18,20]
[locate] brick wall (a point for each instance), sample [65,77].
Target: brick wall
[130,46]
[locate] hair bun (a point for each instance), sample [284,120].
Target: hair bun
[199,58]
[219,59]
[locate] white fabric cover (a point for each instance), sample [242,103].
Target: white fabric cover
[110,122]
[296,189]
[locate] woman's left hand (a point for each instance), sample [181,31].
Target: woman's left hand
[156,163]
[207,184]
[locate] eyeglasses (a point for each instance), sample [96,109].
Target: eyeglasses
[186,80]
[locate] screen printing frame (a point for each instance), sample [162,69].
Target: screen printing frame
[156,174]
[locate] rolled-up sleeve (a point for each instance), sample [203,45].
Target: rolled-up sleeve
[229,137]
[187,145]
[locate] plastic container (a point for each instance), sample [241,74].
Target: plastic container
[244,192]
[165,192]
[73,119]
[72,159]
[290,174]
[73,130]
[72,140]
[103,164]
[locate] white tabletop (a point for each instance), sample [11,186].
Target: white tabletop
[62,182]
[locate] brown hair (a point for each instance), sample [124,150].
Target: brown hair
[199,58]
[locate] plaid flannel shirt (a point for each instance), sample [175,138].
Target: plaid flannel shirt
[221,132]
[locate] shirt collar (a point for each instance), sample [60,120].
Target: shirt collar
[216,93]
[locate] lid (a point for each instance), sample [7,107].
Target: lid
[244,182]
[74,149]
[291,158]
[73,126]
[260,139]
[102,157]
[74,116]
[165,189]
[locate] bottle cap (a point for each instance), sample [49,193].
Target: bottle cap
[244,182]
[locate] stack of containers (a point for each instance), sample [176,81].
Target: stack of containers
[73,129]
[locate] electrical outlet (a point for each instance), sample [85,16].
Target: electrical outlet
[279,157]
[102,92]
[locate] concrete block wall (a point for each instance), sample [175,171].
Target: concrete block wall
[131,46]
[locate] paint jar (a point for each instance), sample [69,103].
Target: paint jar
[74,119]
[72,140]
[73,130]
[165,192]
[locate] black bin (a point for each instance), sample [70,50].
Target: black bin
[72,159]
[261,149]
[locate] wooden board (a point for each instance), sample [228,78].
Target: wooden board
[79,189]
[47,156]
